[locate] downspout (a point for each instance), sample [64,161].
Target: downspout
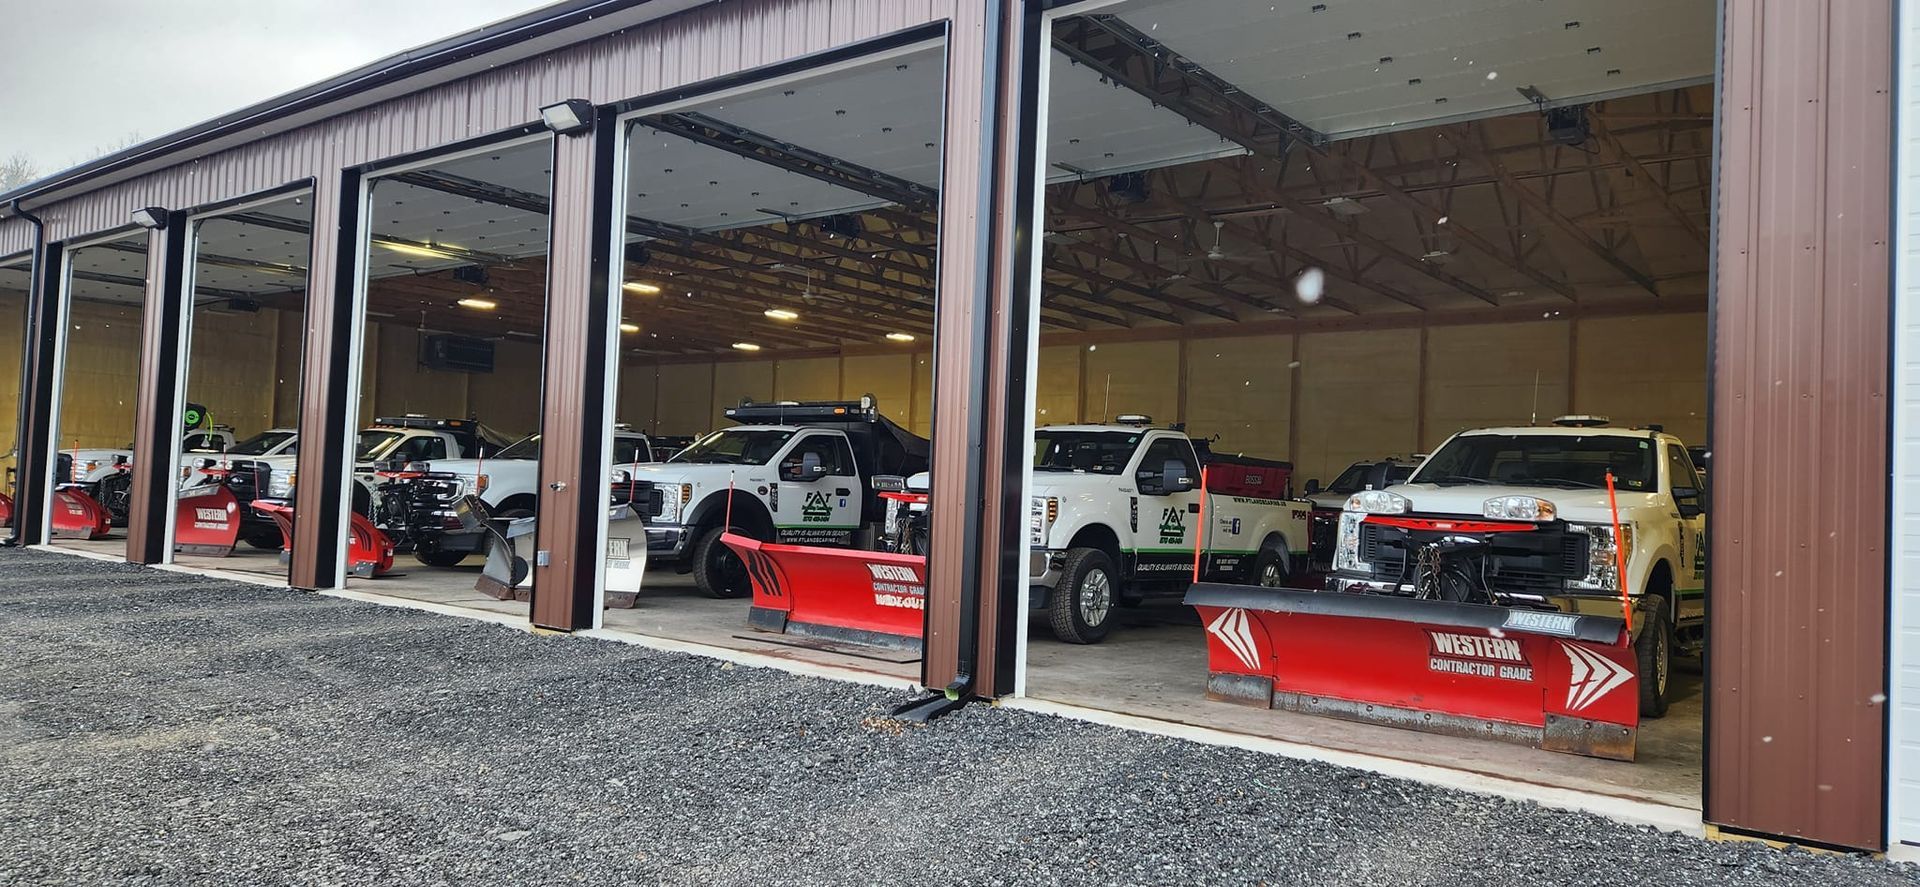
[27,336]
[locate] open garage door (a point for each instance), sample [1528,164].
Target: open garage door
[1353,333]
[15,281]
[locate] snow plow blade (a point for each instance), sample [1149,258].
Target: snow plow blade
[369,551]
[76,515]
[1556,681]
[6,510]
[206,521]
[841,594]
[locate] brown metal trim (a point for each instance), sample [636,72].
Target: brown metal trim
[328,406]
[46,324]
[579,377]
[1796,742]
[156,405]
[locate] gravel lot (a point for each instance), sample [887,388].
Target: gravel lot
[158,728]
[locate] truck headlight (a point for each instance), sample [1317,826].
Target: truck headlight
[279,484]
[1377,502]
[1346,550]
[1525,508]
[1603,563]
[86,469]
[1040,517]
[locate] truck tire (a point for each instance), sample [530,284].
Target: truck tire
[434,557]
[1271,567]
[717,571]
[1653,658]
[263,541]
[1081,606]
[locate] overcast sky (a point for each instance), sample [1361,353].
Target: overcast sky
[82,75]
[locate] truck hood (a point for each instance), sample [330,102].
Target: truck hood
[1069,484]
[1580,506]
[1335,501]
[470,467]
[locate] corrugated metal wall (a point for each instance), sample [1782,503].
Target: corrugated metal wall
[701,44]
[1903,771]
[1795,743]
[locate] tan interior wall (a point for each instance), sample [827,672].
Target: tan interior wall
[230,367]
[810,378]
[1242,391]
[1636,370]
[1494,375]
[922,412]
[286,395]
[1132,377]
[888,377]
[734,382]
[507,399]
[13,323]
[638,397]
[1359,394]
[1057,391]
[103,357]
[403,386]
[686,401]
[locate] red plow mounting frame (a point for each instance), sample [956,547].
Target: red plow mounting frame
[76,515]
[207,519]
[1557,681]
[841,594]
[369,551]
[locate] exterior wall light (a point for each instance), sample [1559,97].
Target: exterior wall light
[569,117]
[152,218]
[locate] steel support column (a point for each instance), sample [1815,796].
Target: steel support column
[982,338]
[328,405]
[156,405]
[41,344]
[577,386]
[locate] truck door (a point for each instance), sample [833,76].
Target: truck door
[1690,575]
[1167,522]
[816,500]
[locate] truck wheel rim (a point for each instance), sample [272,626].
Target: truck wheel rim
[1271,577]
[1661,658]
[731,571]
[1096,597]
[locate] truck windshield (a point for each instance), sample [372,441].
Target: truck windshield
[262,443]
[735,447]
[1098,452]
[373,443]
[526,448]
[1543,460]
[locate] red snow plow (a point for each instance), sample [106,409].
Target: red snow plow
[76,515]
[369,551]
[842,594]
[1558,681]
[207,518]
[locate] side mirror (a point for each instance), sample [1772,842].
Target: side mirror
[1313,486]
[1171,478]
[1688,502]
[807,469]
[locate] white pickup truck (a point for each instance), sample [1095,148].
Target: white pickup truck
[417,506]
[1520,517]
[793,472]
[1118,511]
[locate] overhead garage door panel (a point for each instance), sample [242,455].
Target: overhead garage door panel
[1353,68]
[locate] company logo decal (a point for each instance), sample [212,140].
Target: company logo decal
[1593,676]
[1478,656]
[1234,634]
[817,510]
[1173,526]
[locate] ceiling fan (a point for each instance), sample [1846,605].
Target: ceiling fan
[1219,253]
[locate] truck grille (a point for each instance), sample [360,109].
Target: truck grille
[1536,562]
[247,481]
[643,495]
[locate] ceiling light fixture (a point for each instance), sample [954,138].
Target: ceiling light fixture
[153,218]
[645,289]
[569,117]
[781,314]
[629,327]
[478,304]
[899,337]
[414,249]
[745,346]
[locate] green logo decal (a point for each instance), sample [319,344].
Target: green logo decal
[817,509]
[1173,527]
